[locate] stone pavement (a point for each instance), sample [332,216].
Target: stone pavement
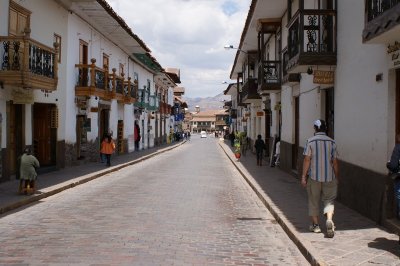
[358,240]
[54,182]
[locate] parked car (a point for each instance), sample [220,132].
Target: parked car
[203,134]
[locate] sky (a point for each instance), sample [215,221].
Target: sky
[189,35]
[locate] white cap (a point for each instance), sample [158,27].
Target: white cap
[318,123]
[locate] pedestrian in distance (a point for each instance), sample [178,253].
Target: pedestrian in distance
[27,172]
[232,138]
[244,142]
[259,145]
[320,177]
[108,148]
[136,136]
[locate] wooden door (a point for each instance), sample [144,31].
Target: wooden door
[83,60]
[104,123]
[15,134]
[120,137]
[42,140]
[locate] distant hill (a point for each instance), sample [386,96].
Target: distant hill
[208,103]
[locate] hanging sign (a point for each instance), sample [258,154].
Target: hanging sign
[394,55]
[260,113]
[323,77]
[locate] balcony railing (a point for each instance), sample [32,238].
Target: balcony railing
[312,39]
[95,81]
[143,98]
[153,103]
[382,21]
[269,76]
[249,91]
[27,63]
[375,8]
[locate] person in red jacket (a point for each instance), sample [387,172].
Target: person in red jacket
[108,148]
[137,136]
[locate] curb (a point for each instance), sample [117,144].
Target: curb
[286,226]
[51,192]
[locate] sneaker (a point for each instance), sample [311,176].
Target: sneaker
[315,228]
[330,229]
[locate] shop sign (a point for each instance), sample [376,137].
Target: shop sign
[323,77]
[22,96]
[394,55]
[260,113]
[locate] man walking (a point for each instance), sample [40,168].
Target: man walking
[320,176]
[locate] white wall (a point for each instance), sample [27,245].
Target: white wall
[310,107]
[287,115]
[361,118]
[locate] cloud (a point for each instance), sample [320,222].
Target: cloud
[190,35]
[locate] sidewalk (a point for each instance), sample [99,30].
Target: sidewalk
[357,241]
[54,182]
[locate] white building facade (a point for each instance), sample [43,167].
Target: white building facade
[314,66]
[71,73]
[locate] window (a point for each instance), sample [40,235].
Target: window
[57,40]
[106,62]
[83,52]
[121,69]
[19,20]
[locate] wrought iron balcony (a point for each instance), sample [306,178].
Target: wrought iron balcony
[382,23]
[27,63]
[269,76]
[312,40]
[288,78]
[249,92]
[95,81]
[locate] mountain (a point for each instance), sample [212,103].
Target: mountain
[208,103]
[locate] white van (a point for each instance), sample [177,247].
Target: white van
[203,134]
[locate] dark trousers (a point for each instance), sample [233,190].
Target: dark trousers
[108,158]
[137,145]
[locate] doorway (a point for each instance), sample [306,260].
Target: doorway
[16,138]
[295,154]
[44,134]
[120,137]
[104,124]
[329,111]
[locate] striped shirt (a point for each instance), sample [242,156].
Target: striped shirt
[322,150]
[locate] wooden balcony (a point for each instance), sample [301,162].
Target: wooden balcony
[249,92]
[95,81]
[311,40]
[382,21]
[26,63]
[269,77]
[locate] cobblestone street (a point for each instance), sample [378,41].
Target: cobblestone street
[188,206]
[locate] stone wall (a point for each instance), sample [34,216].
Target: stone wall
[89,153]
